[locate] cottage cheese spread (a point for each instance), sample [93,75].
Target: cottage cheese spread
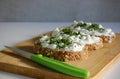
[75,38]
[93,29]
[67,39]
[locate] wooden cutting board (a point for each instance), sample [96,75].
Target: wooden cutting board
[97,63]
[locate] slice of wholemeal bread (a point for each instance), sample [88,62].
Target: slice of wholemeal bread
[66,44]
[61,55]
[98,30]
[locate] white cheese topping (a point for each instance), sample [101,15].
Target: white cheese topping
[69,42]
[76,37]
[93,29]
[74,47]
[52,46]
[56,32]
[44,38]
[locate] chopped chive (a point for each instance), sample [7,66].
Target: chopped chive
[95,27]
[81,25]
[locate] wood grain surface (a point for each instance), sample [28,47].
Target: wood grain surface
[98,62]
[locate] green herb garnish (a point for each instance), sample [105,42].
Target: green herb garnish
[95,27]
[101,29]
[52,40]
[80,35]
[69,31]
[61,43]
[66,41]
[81,25]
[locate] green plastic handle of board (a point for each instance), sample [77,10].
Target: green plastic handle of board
[60,66]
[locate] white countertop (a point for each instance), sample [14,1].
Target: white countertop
[15,32]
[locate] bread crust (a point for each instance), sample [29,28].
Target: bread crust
[107,39]
[95,46]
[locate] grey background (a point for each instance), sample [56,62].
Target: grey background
[59,10]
